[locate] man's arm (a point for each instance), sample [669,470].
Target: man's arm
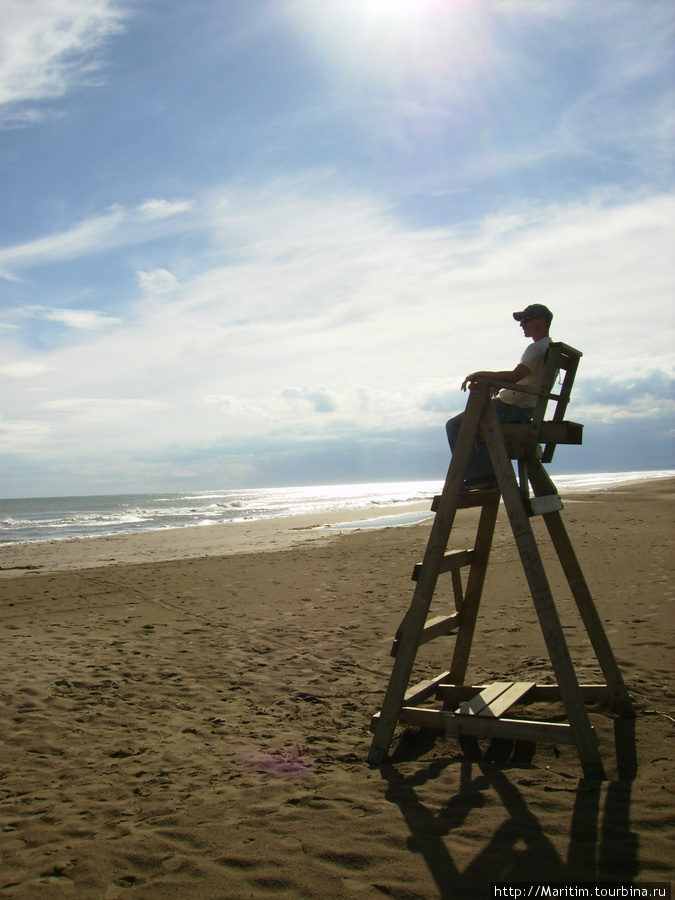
[517,374]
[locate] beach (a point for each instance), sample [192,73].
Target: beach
[185,714]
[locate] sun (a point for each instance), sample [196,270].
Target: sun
[396,43]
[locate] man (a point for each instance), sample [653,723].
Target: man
[510,405]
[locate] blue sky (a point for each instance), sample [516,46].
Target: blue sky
[259,242]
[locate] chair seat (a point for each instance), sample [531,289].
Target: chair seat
[554,432]
[523,441]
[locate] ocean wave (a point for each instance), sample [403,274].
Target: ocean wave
[75,517]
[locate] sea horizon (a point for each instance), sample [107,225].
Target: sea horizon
[35,519]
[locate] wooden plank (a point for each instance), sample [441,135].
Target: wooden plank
[548,432]
[476,706]
[452,561]
[540,506]
[513,729]
[434,628]
[592,693]
[520,388]
[452,694]
[562,432]
[467,499]
[417,693]
[472,499]
[438,626]
[567,349]
[508,699]
[457,591]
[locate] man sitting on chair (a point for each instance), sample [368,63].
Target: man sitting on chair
[510,405]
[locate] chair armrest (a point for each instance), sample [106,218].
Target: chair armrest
[513,386]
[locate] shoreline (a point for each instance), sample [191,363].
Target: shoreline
[191,542]
[238,537]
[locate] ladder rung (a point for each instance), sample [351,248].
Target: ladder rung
[452,561]
[516,729]
[418,693]
[467,499]
[434,628]
[438,626]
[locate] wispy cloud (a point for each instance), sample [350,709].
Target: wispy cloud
[85,238]
[46,46]
[24,436]
[115,228]
[82,319]
[453,76]
[24,369]
[109,411]
[164,209]
[629,397]
[158,281]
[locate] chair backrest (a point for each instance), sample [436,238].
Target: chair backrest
[559,358]
[523,439]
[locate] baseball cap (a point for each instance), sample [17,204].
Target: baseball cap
[536,310]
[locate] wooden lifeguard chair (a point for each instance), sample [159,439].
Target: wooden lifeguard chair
[481,710]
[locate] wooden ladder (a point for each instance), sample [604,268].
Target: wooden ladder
[480,710]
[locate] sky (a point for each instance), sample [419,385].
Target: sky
[250,243]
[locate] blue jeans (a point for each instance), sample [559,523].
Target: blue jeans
[479,464]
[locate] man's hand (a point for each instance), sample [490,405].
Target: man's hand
[514,376]
[474,375]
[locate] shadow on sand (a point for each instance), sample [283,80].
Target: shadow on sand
[600,844]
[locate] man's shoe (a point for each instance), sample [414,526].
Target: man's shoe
[480,484]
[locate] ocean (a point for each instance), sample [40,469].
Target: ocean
[50,518]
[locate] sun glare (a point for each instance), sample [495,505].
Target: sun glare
[397,41]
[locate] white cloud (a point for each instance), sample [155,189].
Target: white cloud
[164,209]
[87,237]
[83,319]
[642,394]
[22,437]
[113,229]
[157,282]
[316,315]
[46,46]
[102,406]
[23,369]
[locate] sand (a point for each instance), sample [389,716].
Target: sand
[187,716]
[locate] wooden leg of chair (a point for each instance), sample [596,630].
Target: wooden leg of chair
[474,589]
[620,699]
[563,667]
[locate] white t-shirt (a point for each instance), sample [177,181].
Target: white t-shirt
[533,358]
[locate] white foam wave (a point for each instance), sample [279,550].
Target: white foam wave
[68,517]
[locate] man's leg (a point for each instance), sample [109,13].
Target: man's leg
[479,464]
[506,412]
[480,467]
